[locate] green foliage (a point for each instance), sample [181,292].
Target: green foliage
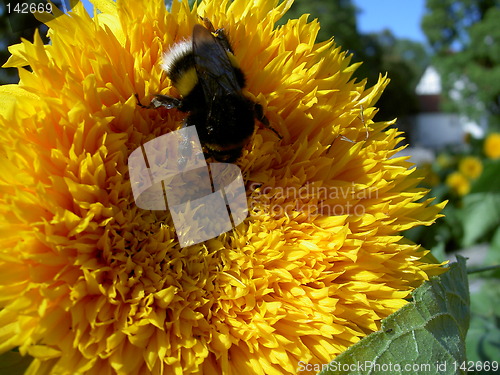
[428,332]
[465,38]
[470,217]
[404,61]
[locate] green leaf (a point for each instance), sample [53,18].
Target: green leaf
[481,214]
[13,363]
[426,336]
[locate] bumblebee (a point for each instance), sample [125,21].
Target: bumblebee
[205,73]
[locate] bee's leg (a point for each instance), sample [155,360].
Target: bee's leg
[165,101]
[220,34]
[140,104]
[259,115]
[208,24]
[160,101]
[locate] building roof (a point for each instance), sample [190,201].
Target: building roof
[430,83]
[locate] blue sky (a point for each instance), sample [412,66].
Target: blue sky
[402,17]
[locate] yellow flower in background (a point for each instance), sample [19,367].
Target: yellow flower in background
[471,167]
[458,182]
[91,284]
[492,146]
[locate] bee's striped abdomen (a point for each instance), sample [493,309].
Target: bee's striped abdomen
[180,67]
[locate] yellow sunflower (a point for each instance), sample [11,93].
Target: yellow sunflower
[492,146]
[92,284]
[471,167]
[458,182]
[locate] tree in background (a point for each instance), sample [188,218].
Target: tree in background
[465,38]
[337,17]
[403,60]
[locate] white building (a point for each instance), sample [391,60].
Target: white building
[435,129]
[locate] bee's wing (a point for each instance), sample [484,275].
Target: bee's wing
[214,70]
